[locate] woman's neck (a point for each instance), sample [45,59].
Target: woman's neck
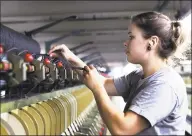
[153,66]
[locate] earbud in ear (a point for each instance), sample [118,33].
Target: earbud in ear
[149,47]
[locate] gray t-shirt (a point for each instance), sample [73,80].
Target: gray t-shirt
[160,98]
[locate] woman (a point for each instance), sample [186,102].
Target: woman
[155,96]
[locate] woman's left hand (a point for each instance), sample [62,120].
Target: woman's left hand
[92,79]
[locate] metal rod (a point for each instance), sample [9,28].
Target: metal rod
[76,32]
[92,55]
[88,49]
[162,6]
[81,45]
[48,43]
[40,29]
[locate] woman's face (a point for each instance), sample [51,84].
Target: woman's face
[135,45]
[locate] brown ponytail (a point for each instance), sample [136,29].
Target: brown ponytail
[179,41]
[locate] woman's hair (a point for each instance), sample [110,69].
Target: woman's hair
[171,33]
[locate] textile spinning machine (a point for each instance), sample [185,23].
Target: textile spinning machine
[41,95]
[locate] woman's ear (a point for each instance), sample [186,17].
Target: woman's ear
[153,41]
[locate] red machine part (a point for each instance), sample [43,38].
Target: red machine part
[46,61]
[104,74]
[5,66]
[102,131]
[1,49]
[28,57]
[59,64]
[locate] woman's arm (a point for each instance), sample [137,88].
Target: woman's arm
[77,62]
[117,122]
[110,87]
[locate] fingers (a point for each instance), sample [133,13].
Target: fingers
[54,55]
[57,47]
[87,69]
[91,67]
[54,49]
[54,52]
[53,46]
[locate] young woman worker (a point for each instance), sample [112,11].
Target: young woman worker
[155,96]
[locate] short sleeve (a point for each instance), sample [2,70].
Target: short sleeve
[123,83]
[155,102]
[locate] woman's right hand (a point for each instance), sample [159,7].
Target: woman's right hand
[63,51]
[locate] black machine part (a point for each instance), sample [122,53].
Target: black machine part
[11,38]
